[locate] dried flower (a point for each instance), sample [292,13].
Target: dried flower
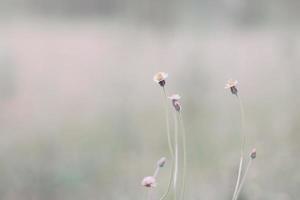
[253,154]
[231,84]
[149,181]
[160,78]
[161,162]
[175,101]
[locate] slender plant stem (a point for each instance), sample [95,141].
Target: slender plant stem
[238,179]
[170,183]
[168,123]
[169,144]
[156,172]
[184,155]
[176,155]
[243,179]
[243,141]
[149,194]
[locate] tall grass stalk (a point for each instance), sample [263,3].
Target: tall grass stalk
[169,144]
[243,141]
[243,179]
[168,123]
[164,196]
[184,155]
[176,155]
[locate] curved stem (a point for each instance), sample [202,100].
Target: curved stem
[243,180]
[170,183]
[184,155]
[243,141]
[169,144]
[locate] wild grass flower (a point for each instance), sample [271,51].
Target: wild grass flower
[179,122]
[232,85]
[175,102]
[160,78]
[149,181]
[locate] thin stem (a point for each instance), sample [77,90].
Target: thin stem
[169,144]
[184,155]
[167,123]
[243,141]
[156,172]
[242,124]
[243,179]
[170,183]
[149,194]
[176,155]
[238,179]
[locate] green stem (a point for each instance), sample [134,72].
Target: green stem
[242,124]
[176,155]
[169,144]
[243,179]
[243,141]
[238,179]
[184,155]
[156,172]
[167,122]
[149,194]
[170,183]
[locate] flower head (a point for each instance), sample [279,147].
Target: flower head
[160,78]
[231,84]
[161,162]
[253,154]
[149,181]
[175,101]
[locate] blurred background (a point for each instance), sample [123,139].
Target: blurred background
[81,117]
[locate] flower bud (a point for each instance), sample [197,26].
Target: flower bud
[253,154]
[161,162]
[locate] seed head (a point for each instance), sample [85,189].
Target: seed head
[149,181]
[160,78]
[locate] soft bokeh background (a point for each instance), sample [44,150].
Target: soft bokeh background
[81,118]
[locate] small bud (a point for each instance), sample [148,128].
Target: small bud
[161,162]
[175,101]
[253,154]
